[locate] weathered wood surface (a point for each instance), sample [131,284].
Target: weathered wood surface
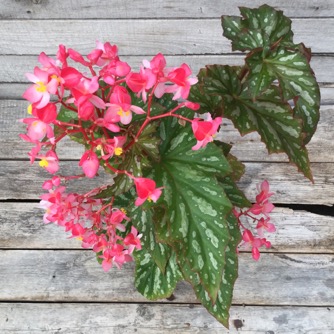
[152,319]
[89,9]
[247,148]
[59,275]
[13,68]
[39,264]
[21,181]
[22,227]
[140,37]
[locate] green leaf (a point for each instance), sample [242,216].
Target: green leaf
[142,220]
[238,168]
[262,27]
[150,281]
[66,115]
[297,82]
[195,204]
[269,115]
[220,309]
[235,195]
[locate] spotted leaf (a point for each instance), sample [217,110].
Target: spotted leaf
[195,204]
[261,27]
[150,281]
[220,309]
[143,221]
[269,115]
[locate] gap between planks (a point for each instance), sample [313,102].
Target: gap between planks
[22,227]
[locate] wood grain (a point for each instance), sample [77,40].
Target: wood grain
[22,227]
[247,148]
[140,37]
[13,68]
[21,181]
[154,318]
[89,9]
[49,275]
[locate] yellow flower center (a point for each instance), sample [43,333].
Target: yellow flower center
[29,109]
[149,199]
[44,163]
[118,150]
[40,87]
[79,238]
[99,147]
[121,112]
[123,210]
[55,77]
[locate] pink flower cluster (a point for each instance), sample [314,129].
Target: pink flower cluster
[91,221]
[100,99]
[259,213]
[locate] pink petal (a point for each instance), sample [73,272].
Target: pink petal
[137,110]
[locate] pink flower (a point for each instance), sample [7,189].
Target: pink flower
[49,162]
[39,93]
[77,57]
[133,240]
[264,224]
[146,190]
[117,254]
[111,147]
[262,205]
[85,99]
[120,102]
[141,82]
[116,218]
[109,120]
[49,184]
[109,53]
[182,82]
[39,127]
[255,243]
[89,163]
[264,195]
[157,69]
[205,130]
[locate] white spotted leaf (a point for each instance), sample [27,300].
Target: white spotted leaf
[270,115]
[150,281]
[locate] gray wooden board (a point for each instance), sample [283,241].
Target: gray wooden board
[247,148]
[142,37]
[76,9]
[156,318]
[59,275]
[13,68]
[21,181]
[22,227]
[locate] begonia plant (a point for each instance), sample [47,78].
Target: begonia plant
[171,200]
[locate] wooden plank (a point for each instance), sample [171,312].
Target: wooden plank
[278,279]
[247,148]
[140,37]
[13,68]
[22,227]
[21,181]
[14,91]
[155,318]
[89,9]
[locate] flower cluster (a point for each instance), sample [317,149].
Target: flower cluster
[100,100]
[259,213]
[91,221]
